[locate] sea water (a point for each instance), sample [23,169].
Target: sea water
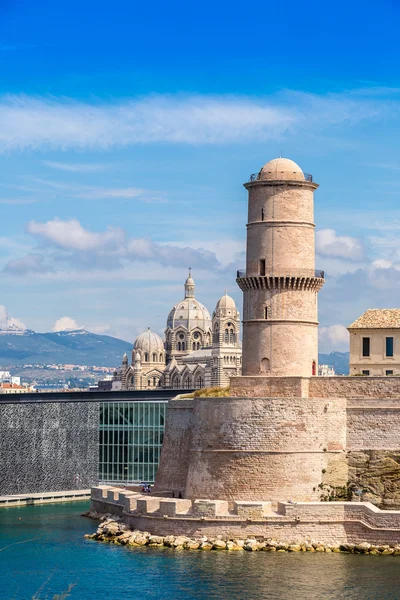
[43,552]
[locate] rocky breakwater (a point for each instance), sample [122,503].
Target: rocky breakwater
[113,530]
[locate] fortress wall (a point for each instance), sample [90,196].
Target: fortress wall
[373,424]
[261,448]
[326,522]
[175,451]
[273,387]
[317,387]
[355,387]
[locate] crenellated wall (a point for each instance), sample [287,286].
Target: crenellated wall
[328,522]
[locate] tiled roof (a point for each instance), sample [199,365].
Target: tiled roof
[378,318]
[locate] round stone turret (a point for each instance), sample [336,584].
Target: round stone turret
[280,283]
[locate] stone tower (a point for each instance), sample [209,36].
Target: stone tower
[226,353]
[280,284]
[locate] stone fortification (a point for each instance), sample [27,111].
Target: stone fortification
[289,446]
[252,449]
[330,523]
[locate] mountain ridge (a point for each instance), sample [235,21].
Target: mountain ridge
[78,347]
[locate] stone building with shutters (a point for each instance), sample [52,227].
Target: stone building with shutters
[198,350]
[375,343]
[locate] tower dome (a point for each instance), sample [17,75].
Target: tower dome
[226,302]
[282,169]
[149,342]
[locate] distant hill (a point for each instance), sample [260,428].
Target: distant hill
[81,347]
[338,360]
[78,347]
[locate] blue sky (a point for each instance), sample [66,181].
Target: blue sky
[127,131]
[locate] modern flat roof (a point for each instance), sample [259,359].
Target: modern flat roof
[109,396]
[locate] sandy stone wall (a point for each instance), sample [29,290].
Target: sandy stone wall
[260,448]
[355,387]
[284,344]
[327,522]
[282,203]
[317,387]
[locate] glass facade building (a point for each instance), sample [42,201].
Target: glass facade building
[131,434]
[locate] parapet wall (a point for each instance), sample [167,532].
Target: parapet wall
[329,523]
[316,387]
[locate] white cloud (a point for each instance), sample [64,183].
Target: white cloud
[93,192]
[65,324]
[7,321]
[328,243]
[47,122]
[75,167]
[67,244]
[334,337]
[71,235]
[17,201]
[113,193]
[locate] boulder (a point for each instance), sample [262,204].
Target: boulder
[156,539]
[206,546]
[219,544]
[193,545]
[294,548]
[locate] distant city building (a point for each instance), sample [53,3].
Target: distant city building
[13,388]
[375,343]
[198,351]
[326,371]
[6,376]
[50,387]
[103,385]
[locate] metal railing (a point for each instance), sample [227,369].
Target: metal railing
[292,273]
[257,177]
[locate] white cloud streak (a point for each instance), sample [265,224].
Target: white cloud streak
[328,243]
[59,123]
[75,167]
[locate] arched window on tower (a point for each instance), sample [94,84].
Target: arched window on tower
[262,214]
[226,336]
[216,335]
[314,367]
[161,357]
[146,357]
[183,345]
[194,346]
[154,357]
[179,346]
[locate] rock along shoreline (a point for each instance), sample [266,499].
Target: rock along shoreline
[113,530]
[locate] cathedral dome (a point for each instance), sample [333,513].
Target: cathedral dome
[149,342]
[281,169]
[189,313]
[226,302]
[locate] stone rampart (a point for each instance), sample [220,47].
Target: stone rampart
[316,387]
[252,449]
[327,522]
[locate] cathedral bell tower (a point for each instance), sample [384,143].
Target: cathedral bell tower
[280,284]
